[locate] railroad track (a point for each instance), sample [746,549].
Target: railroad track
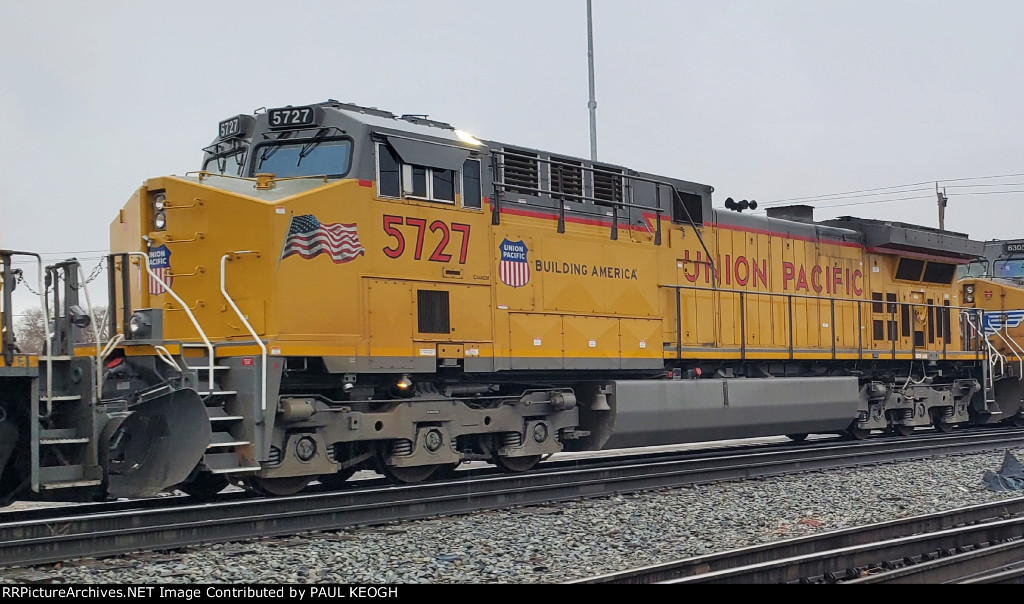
[62,534]
[565,461]
[977,544]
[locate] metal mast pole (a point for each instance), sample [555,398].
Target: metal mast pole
[943,200]
[592,105]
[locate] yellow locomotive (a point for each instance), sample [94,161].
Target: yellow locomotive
[994,284]
[342,288]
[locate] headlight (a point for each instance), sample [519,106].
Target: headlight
[138,325]
[159,202]
[160,220]
[969,289]
[969,298]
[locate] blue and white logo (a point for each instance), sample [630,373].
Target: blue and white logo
[514,267]
[999,321]
[160,265]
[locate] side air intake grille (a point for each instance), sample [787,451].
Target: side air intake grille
[566,177]
[520,172]
[433,311]
[607,184]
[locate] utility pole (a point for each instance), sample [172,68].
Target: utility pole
[592,105]
[943,200]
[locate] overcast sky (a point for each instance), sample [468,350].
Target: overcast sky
[762,99]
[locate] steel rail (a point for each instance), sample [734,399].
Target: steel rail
[697,568]
[112,533]
[990,562]
[855,563]
[728,448]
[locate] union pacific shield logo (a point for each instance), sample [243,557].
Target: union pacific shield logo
[160,264]
[514,267]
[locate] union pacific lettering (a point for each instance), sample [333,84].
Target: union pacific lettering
[585,270]
[744,271]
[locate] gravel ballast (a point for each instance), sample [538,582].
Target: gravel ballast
[566,541]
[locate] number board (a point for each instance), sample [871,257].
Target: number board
[293,117]
[1013,248]
[235,127]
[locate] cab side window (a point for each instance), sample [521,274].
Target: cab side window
[471,195]
[398,178]
[389,182]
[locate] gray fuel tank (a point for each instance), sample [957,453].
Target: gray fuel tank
[662,412]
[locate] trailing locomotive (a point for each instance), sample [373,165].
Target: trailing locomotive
[341,288]
[994,283]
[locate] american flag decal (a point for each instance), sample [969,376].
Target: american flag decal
[160,265]
[308,238]
[514,267]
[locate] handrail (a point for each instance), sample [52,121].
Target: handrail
[206,173]
[191,317]
[810,297]
[111,344]
[995,357]
[95,332]
[628,176]
[859,302]
[252,332]
[166,356]
[46,326]
[1009,344]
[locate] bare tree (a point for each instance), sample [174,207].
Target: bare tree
[30,332]
[31,335]
[86,335]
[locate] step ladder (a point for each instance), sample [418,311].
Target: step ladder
[63,426]
[228,453]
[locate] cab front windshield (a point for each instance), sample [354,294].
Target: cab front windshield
[978,268]
[304,158]
[1008,269]
[228,163]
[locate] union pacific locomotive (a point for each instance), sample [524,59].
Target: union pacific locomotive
[341,288]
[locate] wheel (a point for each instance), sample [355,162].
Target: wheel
[447,470]
[204,487]
[279,487]
[943,427]
[902,430]
[336,480]
[408,475]
[858,433]
[516,464]
[799,438]
[403,474]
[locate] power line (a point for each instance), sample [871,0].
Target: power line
[863,203]
[998,184]
[990,192]
[839,196]
[893,189]
[877,201]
